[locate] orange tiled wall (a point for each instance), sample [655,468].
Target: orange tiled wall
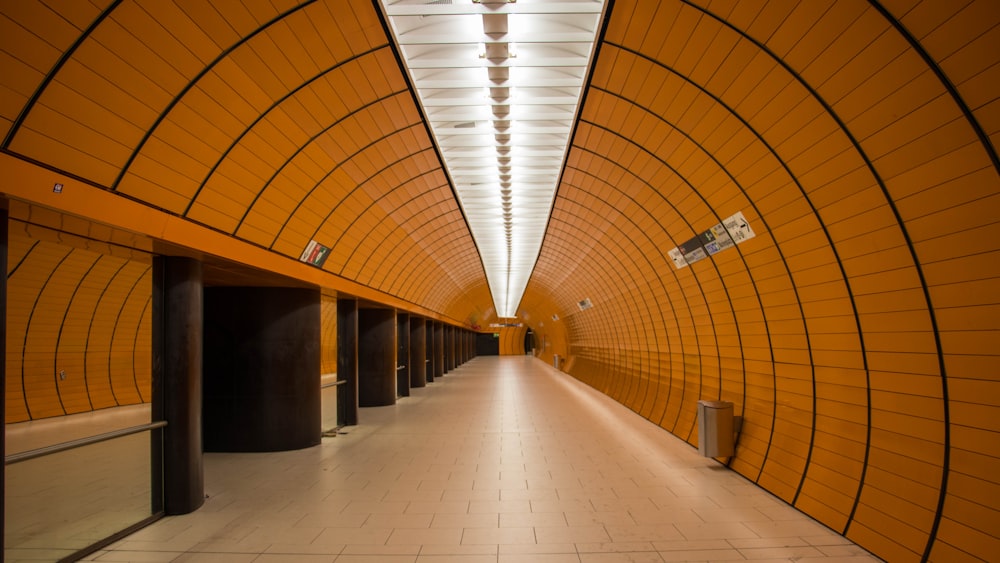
[328,331]
[78,308]
[857,333]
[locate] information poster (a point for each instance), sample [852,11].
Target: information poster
[716,239]
[315,254]
[693,250]
[731,231]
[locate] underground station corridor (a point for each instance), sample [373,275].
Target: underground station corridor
[500,280]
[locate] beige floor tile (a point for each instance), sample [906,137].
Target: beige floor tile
[135,556]
[428,536]
[571,534]
[614,547]
[537,549]
[643,533]
[529,494]
[216,558]
[460,550]
[799,528]
[792,553]
[413,495]
[477,520]
[500,506]
[714,530]
[353,536]
[692,545]
[399,521]
[375,507]
[471,495]
[572,505]
[386,550]
[311,549]
[703,555]
[360,558]
[446,558]
[332,520]
[438,507]
[539,558]
[665,516]
[498,536]
[294,558]
[621,557]
[598,518]
[515,520]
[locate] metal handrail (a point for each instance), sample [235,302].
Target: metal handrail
[334,384]
[72,444]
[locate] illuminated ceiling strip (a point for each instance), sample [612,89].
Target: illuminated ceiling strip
[500,83]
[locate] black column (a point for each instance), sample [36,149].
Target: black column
[262,364]
[418,353]
[463,344]
[347,362]
[449,347]
[376,357]
[3,348]
[177,379]
[438,349]
[403,355]
[431,359]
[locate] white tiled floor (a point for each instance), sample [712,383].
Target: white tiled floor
[502,460]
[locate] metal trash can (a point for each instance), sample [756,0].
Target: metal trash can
[555,361]
[715,428]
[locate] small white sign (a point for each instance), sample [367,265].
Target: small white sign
[678,258]
[738,227]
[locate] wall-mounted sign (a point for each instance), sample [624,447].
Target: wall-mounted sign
[315,254]
[727,234]
[584,304]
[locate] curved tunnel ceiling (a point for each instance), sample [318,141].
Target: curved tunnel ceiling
[856,331]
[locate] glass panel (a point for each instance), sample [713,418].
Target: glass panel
[64,502]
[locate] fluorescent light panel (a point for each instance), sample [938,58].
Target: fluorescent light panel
[500,82]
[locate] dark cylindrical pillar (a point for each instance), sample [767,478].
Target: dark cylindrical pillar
[463,345]
[402,355]
[347,362]
[418,353]
[449,348]
[262,364]
[376,357]
[3,347]
[430,361]
[177,380]
[438,349]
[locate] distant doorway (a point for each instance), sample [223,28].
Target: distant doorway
[488,344]
[529,343]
